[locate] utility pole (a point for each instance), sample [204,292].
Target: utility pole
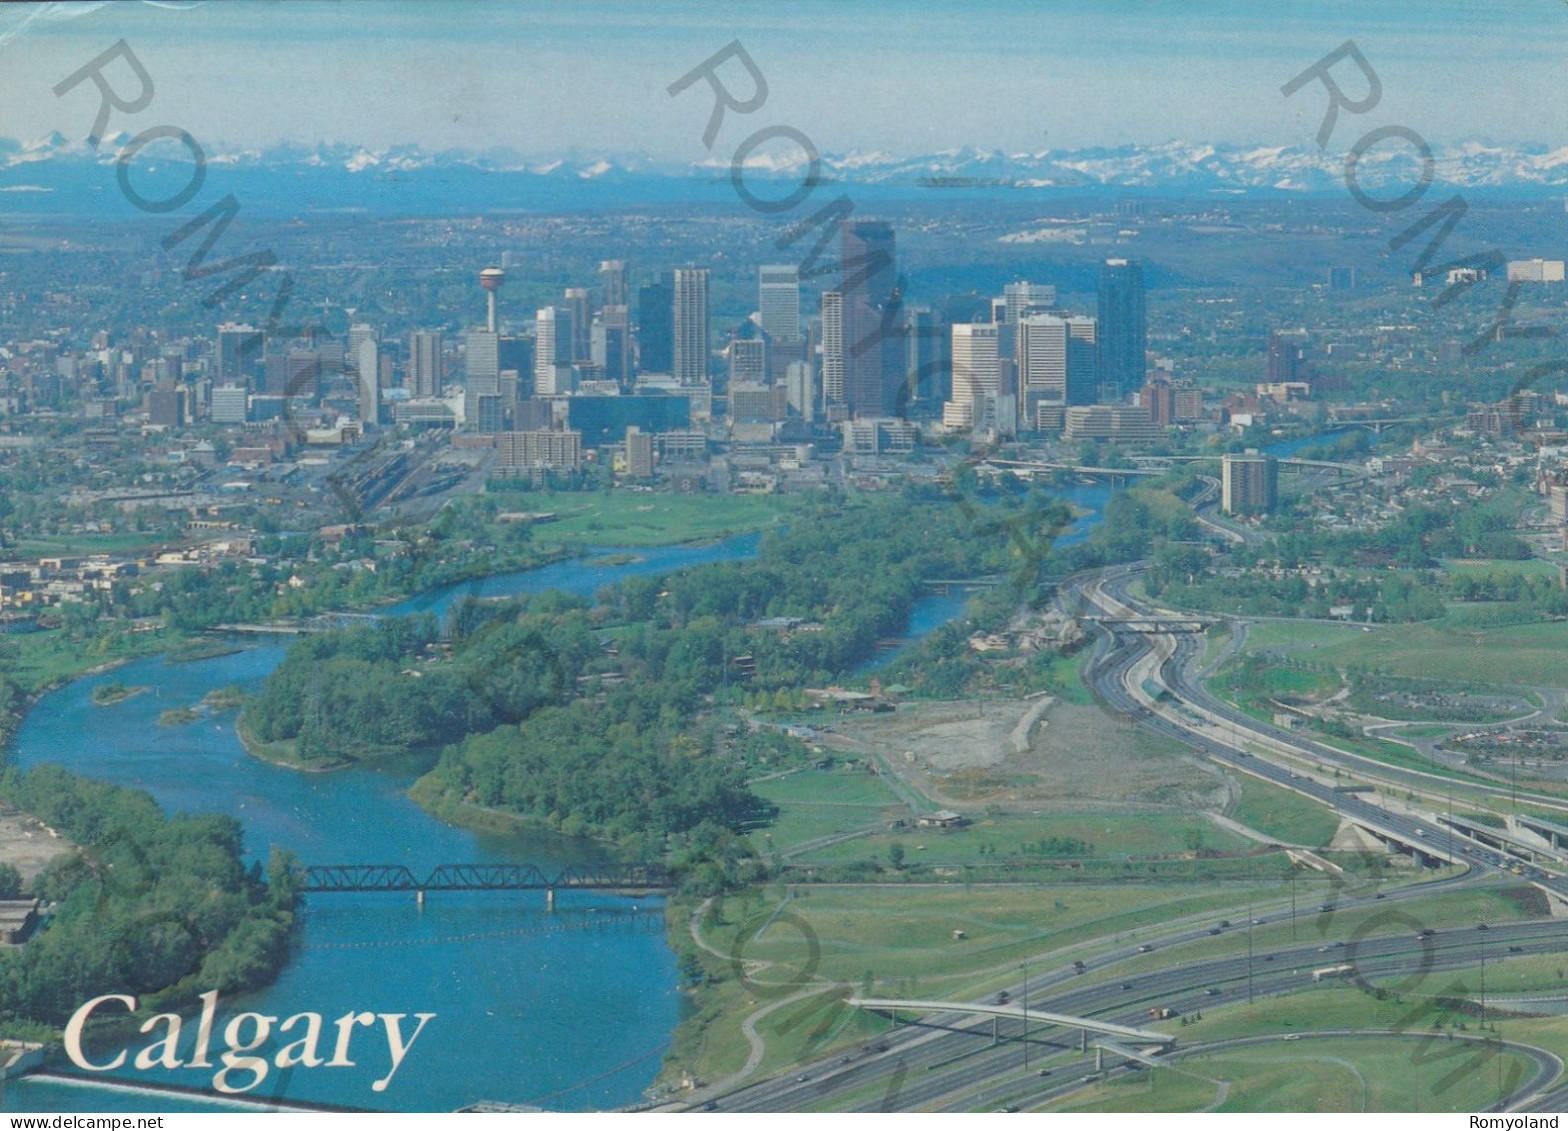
[1294,868]
[1026,1016]
[1249,951]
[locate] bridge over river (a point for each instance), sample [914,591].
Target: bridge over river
[482,877]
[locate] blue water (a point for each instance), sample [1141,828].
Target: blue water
[932,611]
[569,1011]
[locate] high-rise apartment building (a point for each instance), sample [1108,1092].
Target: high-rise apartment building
[1249,484]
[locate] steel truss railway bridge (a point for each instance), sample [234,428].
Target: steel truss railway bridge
[376,878]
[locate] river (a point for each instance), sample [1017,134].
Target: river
[568,1011]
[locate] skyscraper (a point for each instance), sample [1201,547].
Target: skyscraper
[1123,331]
[873,323]
[612,280]
[832,348]
[239,352]
[578,302]
[656,328]
[1056,359]
[927,358]
[1020,299]
[778,301]
[690,353]
[425,365]
[552,351]
[368,363]
[976,373]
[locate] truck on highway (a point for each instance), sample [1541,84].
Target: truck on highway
[1344,970]
[1162,1012]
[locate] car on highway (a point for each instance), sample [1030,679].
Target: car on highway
[1216,930]
[1425,933]
[1126,985]
[1516,949]
[1482,927]
[1213,991]
[1292,1036]
[1145,948]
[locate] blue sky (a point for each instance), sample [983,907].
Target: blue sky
[548,78]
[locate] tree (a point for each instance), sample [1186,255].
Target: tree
[10,882]
[895,854]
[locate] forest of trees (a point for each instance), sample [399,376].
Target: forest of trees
[163,907]
[586,716]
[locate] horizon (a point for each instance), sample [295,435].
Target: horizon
[549,79]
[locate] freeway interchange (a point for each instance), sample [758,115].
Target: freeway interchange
[962,1060]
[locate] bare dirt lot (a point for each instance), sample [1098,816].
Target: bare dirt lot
[1033,752]
[26,845]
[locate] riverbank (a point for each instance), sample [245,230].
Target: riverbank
[282,754]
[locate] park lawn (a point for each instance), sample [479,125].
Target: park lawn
[1280,813]
[1326,1074]
[1114,835]
[634,518]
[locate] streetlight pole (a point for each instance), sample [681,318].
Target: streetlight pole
[1249,951]
[1026,1016]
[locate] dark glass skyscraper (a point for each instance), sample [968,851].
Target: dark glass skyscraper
[873,323]
[656,328]
[1123,330]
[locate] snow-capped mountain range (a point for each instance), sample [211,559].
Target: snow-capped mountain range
[338,173]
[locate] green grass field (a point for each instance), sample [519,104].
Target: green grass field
[1532,567]
[57,544]
[1283,814]
[630,518]
[1111,835]
[817,803]
[36,660]
[1529,654]
[1326,1074]
[903,936]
